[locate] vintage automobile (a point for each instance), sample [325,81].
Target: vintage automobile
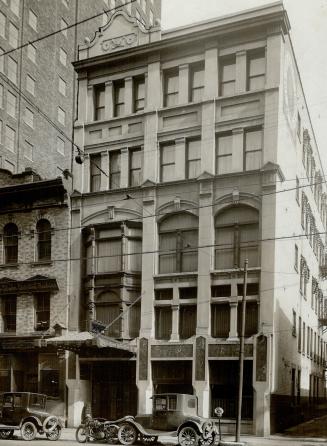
[172,413]
[26,412]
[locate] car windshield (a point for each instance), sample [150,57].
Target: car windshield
[37,401]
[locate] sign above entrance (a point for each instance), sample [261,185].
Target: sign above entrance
[32,285]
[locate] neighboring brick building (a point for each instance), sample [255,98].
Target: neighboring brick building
[187,147]
[34,218]
[45,76]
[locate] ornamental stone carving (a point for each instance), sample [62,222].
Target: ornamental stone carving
[261,366]
[143,360]
[229,350]
[118,43]
[200,357]
[172,351]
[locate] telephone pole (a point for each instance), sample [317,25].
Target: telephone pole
[241,357]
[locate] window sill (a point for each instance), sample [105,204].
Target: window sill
[41,263]
[9,265]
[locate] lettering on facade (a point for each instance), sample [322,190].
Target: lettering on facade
[229,350]
[143,360]
[200,359]
[261,363]
[28,286]
[119,43]
[172,351]
[18,344]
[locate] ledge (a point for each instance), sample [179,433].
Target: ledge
[40,263]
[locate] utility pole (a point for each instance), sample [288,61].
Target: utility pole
[241,357]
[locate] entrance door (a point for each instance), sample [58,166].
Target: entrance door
[114,391]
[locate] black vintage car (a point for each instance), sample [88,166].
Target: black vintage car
[26,412]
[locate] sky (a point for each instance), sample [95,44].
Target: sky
[308,20]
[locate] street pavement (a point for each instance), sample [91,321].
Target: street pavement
[311,433]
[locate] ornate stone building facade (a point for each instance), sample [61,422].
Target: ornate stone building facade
[193,158]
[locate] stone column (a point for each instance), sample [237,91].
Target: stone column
[124,167]
[75,266]
[90,103]
[82,98]
[86,174]
[109,100]
[233,335]
[180,158]
[175,315]
[153,86]
[144,376]
[273,56]
[105,173]
[183,84]
[241,74]
[129,109]
[238,150]
[211,71]
[201,375]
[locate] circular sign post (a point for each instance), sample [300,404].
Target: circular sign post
[219,411]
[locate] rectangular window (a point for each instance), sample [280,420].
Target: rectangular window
[99,102]
[30,84]
[61,116]
[220,320]
[297,191]
[63,26]
[60,146]
[119,96]
[14,6]
[31,52]
[193,158]
[187,321]
[196,82]
[167,162]
[253,149]
[32,19]
[256,69]
[171,80]
[139,93]
[114,170]
[224,150]
[135,167]
[11,104]
[251,318]
[10,138]
[227,75]
[2,25]
[296,258]
[42,312]
[95,173]
[29,117]
[163,322]
[28,150]
[13,35]
[9,309]
[62,86]
[109,252]
[299,342]
[12,70]
[63,56]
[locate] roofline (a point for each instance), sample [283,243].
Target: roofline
[201,30]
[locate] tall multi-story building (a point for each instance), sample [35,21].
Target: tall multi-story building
[37,82]
[196,156]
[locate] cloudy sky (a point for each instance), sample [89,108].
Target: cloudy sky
[309,36]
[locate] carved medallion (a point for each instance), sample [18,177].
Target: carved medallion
[119,43]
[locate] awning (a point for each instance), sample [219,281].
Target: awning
[75,340]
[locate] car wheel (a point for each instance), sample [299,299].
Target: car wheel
[80,434]
[6,434]
[127,434]
[28,431]
[188,436]
[50,423]
[54,435]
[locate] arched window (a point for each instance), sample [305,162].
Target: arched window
[43,229]
[108,307]
[178,243]
[237,234]
[10,242]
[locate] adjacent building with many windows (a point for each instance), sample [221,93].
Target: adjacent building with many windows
[37,82]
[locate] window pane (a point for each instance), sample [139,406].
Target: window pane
[43,229]
[187,321]
[220,320]
[253,140]
[257,83]
[163,323]
[99,102]
[109,255]
[251,318]
[107,313]
[168,154]
[189,240]
[167,260]
[194,169]
[249,244]
[224,248]
[228,88]
[95,173]
[10,240]
[257,64]
[9,305]
[253,160]
[228,70]
[135,260]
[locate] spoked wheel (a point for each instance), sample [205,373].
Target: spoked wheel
[127,434]
[28,431]
[111,433]
[6,434]
[80,434]
[55,434]
[188,436]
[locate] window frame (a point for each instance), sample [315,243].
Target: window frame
[170,98]
[44,240]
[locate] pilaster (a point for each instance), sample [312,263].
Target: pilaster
[90,103]
[183,84]
[238,150]
[109,100]
[128,95]
[180,158]
[124,164]
[240,81]
[105,169]
[211,72]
